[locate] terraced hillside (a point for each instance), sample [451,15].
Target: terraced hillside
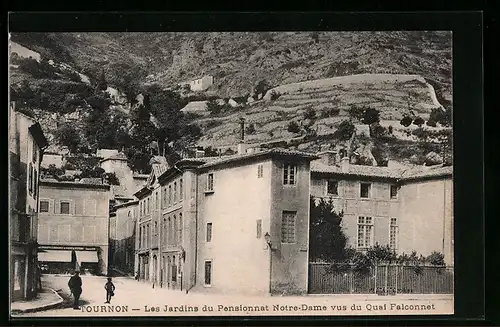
[330,99]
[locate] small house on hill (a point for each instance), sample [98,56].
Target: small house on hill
[196,107]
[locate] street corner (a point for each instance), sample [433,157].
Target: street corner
[47,299]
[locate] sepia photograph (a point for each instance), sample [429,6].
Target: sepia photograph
[184,174]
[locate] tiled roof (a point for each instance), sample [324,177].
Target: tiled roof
[119,156]
[93,181]
[84,182]
[384,172]
[159,169]
[212,161]
[358,170]
[432,171]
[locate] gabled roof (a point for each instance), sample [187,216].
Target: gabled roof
[119,156]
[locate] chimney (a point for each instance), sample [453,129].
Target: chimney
[328,157]
[344,164]
[242,129]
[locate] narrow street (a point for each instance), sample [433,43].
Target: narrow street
[134,298]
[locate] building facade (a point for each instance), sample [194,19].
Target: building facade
[123,237]
[409,209]
[26,145]
[235,224]
[74,226]
[201,84]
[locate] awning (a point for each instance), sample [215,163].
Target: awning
[87,256]
[54,256]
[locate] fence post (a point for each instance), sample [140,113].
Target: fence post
[386,278]
[375,287]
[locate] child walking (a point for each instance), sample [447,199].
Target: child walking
[110,290]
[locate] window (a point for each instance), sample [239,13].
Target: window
[365,190]
[260,171]
[393,234]
[181,195]
[333,187]
[169,231]
[289,174]
[155,231]
[365,231]
[208,272]
[148,207]
[140,237]
[210,182]
[259,228]
[394,191]
[181,227]
[140,210]
[156,200]
[174,231]
[174,269]
[175,192]
[35,182]
[209,232]
[288,227]
[44,206]
[64,210]
[30,178]
[169,194]
[34,152]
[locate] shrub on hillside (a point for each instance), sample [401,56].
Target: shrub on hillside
[377,130]
[406,121]
[418,121]
[345,130]
[275,95]
[293,127]
[250,129]
[370,116]
[331,112]
[310,113]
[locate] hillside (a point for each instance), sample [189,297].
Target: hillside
[398,73]
[239,60]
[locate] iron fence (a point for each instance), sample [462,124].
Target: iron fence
[381,279]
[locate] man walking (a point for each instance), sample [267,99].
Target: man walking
[75,285]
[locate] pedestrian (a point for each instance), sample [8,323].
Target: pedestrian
[110,290]
[75,285]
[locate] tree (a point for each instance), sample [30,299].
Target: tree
[419,121]
[127,77]
[101,84]
[441,116]
[68,136]
[406,121]
[310,113]
[293,127]
[370,116]
[327,239]
[165,106]
[261,87]
[345,130]
[250,129]
[213,107]
[356,112]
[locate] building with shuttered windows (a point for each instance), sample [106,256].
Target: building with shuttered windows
[73,228]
